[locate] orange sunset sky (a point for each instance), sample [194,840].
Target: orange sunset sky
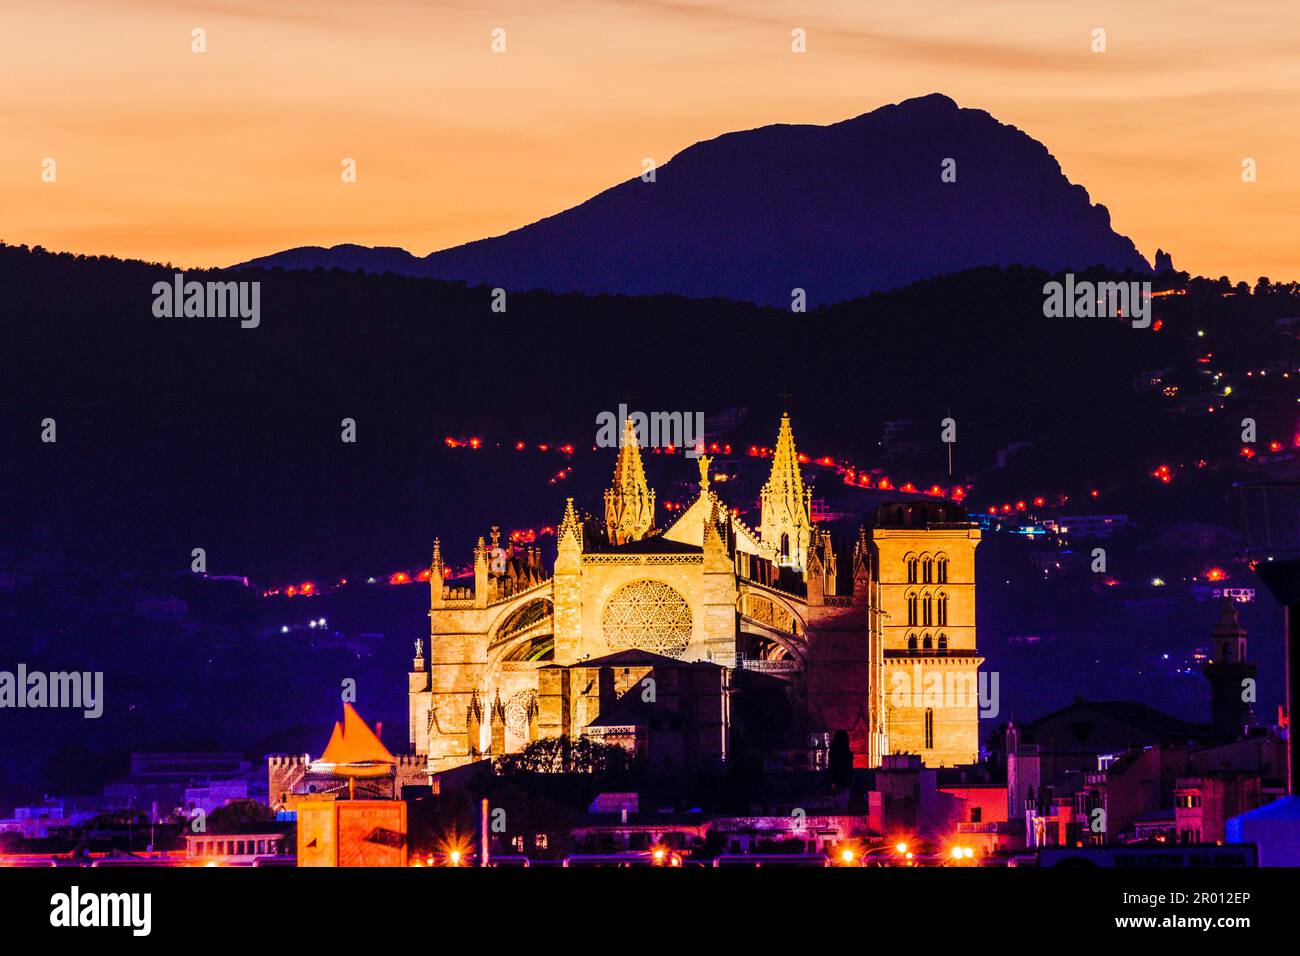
[213,158]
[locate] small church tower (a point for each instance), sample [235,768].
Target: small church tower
[1231,676]
[786,524]
[629,503]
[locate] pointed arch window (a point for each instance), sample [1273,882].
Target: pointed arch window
[927,644]
[927,569]
[911,642]
[942,616]
[927,610]
[911,568]
[943,642]
[942,569]
[911,609]
[929,728]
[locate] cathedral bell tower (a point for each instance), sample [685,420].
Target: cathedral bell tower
[786,525]
[629,502]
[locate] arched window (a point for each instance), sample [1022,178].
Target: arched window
[911,609]
[943,642]
[785,546]
[911,569]
[927,644]
[929,728]
[927,569]
[942,619]
[927,610]
[943,569]
[911,642]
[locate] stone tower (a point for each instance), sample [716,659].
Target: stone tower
[629,502]
[1231,676]
[786,524]
[924,565]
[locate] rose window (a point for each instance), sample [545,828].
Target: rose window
[649,616]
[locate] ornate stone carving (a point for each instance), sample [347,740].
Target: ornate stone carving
[519,710]
[649,616]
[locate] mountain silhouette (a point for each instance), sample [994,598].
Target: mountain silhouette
[838,211]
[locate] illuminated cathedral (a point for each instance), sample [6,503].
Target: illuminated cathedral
[658,639]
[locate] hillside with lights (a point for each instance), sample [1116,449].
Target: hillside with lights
[1071,435]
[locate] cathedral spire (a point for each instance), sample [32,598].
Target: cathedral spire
[629,502]
[785,460]
[436,575]
[569,536]
[786,526]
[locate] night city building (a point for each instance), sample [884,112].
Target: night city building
[876,636]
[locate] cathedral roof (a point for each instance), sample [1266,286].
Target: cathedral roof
[632,710]
[655,544]
[691,517]
[634,657]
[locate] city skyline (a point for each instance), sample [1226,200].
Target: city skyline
[628,436]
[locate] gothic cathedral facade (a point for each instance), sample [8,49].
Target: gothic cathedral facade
[873,635]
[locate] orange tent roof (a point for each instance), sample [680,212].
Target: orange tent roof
[354,750]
